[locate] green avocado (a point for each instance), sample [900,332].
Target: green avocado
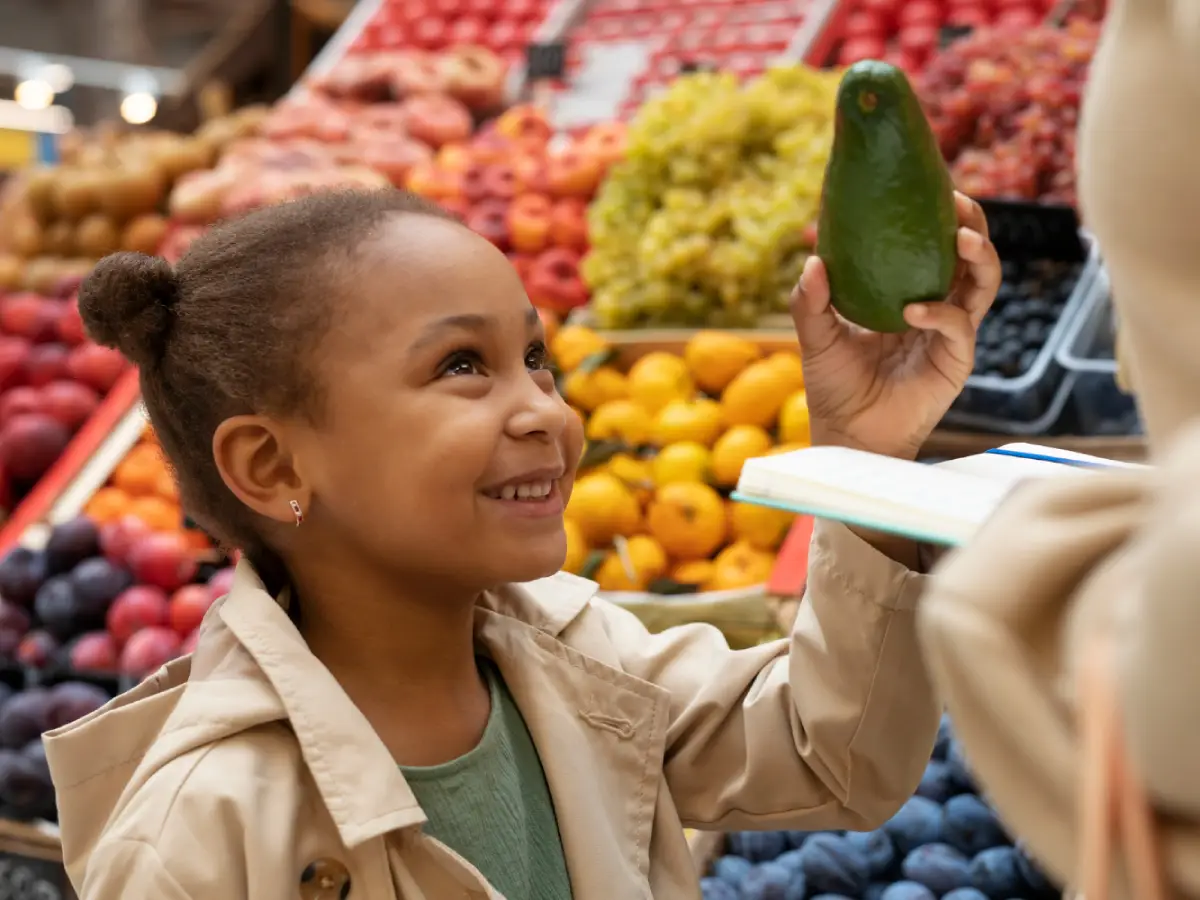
[887,227]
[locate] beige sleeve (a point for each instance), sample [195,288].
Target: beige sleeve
[828,729]
[128,870]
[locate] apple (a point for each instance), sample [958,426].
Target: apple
[454,157]
[148,650]
[95,651]
[431,180]
[13,353]
[415,73]
[118,538]
[69,402]
[429,33]
[97,367]
[489,219]
[918,40]
[554,281]
[474,185]
[861,48]
[607,142]
[189,643]
[135,608]
[162,559]
[19,401]
[467,30]
[394,158]
[46,363]
[486,9]
[503,35]
[29,316]
[437,120]
[69,326]
[30,443]
[522,10]
[188,606]
[568,224]
[491,146]
[448,9]
[220,583]
[573,173]
[529,223]
[475,75]
[920,12]
[867,24]
[500,181]
[525,121]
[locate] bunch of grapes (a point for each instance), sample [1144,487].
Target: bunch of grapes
[1005,105]
[704,223]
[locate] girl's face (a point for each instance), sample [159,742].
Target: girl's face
[445,450]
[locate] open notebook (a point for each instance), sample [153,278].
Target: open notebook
[943,503]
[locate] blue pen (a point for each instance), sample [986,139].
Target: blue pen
[1043,457]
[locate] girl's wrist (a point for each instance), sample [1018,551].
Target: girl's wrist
[830,436]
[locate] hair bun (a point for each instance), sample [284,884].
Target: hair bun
[128,303]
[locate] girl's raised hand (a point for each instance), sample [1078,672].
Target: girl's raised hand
[886,392]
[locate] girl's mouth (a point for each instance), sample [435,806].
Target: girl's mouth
[529,499]
[525,491]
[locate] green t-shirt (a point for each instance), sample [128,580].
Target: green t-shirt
[492,805]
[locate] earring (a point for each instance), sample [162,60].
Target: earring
[297,512]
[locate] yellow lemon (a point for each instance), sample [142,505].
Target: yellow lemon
[696,420]
[684,461]
[788,361]
[740,565]
[573,344]
[733,448]
[636,474]
[762,527]
[715,357]
[688,519]
[577,548]
[693,571]
[756,395]
[620,420]
[658,378]
[603,507]
[644,556]
[794,424]
[786,448]
[586,390]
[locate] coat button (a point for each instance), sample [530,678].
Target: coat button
[325,879]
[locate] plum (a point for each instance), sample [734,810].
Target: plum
[22,572]
[73,700]
[97,583]
[732,869]
[26,790]
[70,544]
[37,649]
[95,651]
[938,783]
[769,881]
[24,717]
[757,846]
[59,610]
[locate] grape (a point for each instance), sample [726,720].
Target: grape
[703,222]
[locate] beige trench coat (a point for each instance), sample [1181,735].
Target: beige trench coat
[246,772]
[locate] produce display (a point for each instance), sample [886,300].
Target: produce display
[52,378]
[117,599]
[667,438]
[946,842]
[528,199]
[108,195]
[908,33]
[367,122]
[888,229]
[708,220]
[1005,106]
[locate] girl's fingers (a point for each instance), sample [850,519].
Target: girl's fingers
[981,276]
[952,323]
[817,324]
[970,214]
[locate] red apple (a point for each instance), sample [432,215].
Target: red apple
[95,651]
[13,353]
[486,9]
[490,219]
[118,538]
[19,401]
[568,224]
[46,363]
[429,33]
[189,643]
[861,48]
[148,650]
[573,173]
[30,443]
[475,75]
[503,35]
[162,559]
[221,583]
[29,316]
[69,402]
[554,281]
[867,24]
[529,223]
[525,122]
[69,326]
[135,608]
[467,30]
[188,606]
[437,120]
[448,9]
[97,367]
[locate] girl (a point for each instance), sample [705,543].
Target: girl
[399,697]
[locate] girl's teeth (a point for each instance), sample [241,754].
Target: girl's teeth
[534,490]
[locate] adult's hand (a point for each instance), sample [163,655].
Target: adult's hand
[886,392]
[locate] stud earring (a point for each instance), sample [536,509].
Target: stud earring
[297,512]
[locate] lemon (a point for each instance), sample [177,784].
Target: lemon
[684,461]
[786,448]
[788,361]
[696,420]
[587,390]
[687,519]
[573,344]
[577,548]
[794,424]
[733,448]
[757,394]
[636,474]
[658,378]
[715,357]
[620,420]
[603,507]
[741,565]
[762,527]
[693,571]
[645,557]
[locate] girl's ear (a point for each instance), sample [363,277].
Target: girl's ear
[252,454]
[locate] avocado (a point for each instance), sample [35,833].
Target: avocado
[887,230]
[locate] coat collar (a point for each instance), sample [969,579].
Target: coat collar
[345,756]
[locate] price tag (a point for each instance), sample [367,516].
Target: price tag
[545,61]
[1022,230]
[28,878]
[18,149]
[951,33]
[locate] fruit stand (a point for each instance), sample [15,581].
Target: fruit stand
[658,217]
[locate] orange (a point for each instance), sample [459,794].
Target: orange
[740,565]
[166,487]
[159,514]
[107,505]
[139,472]
[196,540]
[687,519]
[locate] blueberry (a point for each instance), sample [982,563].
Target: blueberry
[832,864]
[965,894]
[970,825]
[767,881]
[919,821]
[907,890]
[757,846]
[945,734]
[716,889]
[877,849]
[732,869]
[937,784]
[791,860]
[995,873]
[939,867]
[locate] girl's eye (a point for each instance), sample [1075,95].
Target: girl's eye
[537,357]
[464,362]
